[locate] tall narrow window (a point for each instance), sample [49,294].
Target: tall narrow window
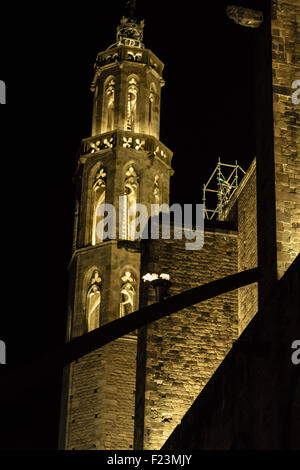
[151,104]
[130,197]
[93,302]
[110,104]
[156,196]
[131,104]
[128,294]
[156,190]
[98,197]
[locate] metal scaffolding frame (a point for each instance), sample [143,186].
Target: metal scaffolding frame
[226,183]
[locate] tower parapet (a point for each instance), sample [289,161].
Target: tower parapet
[127,84]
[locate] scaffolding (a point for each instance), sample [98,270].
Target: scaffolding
[223,183]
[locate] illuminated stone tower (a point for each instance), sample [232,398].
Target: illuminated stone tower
[123,158]
[124,394]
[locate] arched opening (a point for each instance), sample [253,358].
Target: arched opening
[94,302]
[98,198]
[151,107]
[110,104]
[130,199]
[128,294]
[131,104]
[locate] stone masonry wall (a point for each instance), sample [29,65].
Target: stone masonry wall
[286,69]
[101,398]
[183,350]
[252,401]
[243,210]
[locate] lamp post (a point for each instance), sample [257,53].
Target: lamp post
[161,284]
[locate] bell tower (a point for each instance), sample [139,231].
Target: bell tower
[123,164]
[127,84]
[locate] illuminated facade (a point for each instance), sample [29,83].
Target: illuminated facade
[123,162]
[133,392]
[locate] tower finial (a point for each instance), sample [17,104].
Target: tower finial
[131,8]
[130,30]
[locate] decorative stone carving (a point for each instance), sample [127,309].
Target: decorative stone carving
[100,179]
[127,277]
[130,33]
[134,56]
[107,142]
[158,152]
[96,279]
[127,142]
[128,294]
[245,16]
[110,88]
[139,144]
[94,146]
[131,176]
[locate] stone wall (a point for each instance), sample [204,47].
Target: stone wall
[101,395]
[181,352]
[242,210]
[252,401]
[286,69]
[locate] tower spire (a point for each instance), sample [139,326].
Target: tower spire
[130,30]
[130,8]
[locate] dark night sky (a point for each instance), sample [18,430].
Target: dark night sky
[207,111]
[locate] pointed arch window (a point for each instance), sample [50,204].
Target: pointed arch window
[131,103]
[156,190]
[93,302]
[130,198]
[110,103]
[156,196]
[128,294]
[151,105]
[99,190]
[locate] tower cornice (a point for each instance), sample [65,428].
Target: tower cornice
[127,55]
[120,139]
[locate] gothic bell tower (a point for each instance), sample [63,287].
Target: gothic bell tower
[123,163]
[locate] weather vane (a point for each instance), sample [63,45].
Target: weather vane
[131,7]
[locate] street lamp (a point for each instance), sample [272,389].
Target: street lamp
[161,284]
